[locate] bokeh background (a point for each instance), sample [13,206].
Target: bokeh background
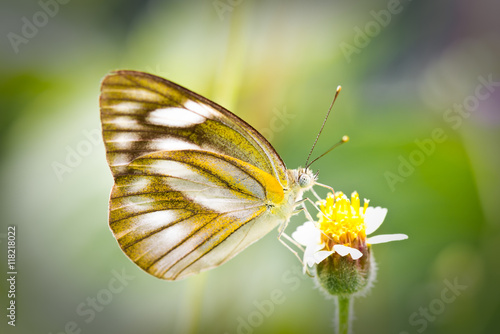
[407,69]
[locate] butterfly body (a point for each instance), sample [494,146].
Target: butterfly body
[194,184]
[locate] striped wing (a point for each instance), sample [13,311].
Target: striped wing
[193,182]
[176,213]
[142,113]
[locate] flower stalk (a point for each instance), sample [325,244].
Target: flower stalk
[344,314]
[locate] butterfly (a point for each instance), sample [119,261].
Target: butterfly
[194,184]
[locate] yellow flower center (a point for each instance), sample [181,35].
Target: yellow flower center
[342,221]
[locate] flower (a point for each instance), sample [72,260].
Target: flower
[342,228]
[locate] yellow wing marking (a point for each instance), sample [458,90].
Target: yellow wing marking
[166,221]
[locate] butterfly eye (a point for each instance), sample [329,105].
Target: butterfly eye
[304,180]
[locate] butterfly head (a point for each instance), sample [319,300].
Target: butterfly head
[304,178]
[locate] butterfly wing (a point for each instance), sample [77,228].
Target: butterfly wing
[142,113]
[193,182]
[176,213]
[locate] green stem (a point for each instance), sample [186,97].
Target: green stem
[344,319]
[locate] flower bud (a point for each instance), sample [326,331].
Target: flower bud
[342,276]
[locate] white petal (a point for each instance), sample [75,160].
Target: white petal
[374,217]
[308,261]
[315,256]
[321,255]
[311,249]
[307,234]
[379,239]
[344,250]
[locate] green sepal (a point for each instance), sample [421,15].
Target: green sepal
[343,276]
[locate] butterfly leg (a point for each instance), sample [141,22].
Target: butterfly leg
[290,248]
[324,186]
[286,236]
[315,194]
[303,208]
[306,212]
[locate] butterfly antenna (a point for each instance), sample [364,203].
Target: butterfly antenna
[344,139]
[322,126]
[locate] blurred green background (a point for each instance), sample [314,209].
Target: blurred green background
[410,70]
